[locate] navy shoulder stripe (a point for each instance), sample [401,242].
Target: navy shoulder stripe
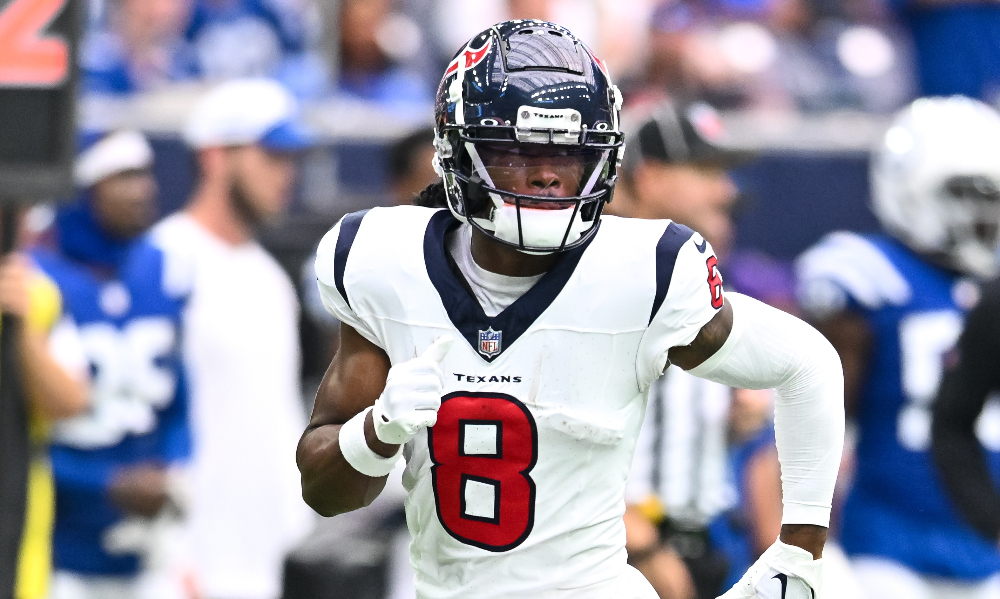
[348,232]
[666,257]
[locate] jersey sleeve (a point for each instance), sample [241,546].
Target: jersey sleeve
[332,257]
[63,338]
[846,271]
[689,294]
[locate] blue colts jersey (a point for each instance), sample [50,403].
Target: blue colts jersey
[897,508]
[129,328]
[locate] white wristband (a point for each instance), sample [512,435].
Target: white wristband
[355,450]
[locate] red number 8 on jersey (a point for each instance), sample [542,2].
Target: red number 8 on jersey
[483,447]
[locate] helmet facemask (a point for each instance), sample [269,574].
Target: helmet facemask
[971,206]
[539,198]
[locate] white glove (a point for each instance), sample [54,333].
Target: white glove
[782,572]
[412,395]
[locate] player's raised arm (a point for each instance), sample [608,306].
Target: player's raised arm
[750,345]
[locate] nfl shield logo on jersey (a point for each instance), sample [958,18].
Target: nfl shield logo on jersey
[489,342]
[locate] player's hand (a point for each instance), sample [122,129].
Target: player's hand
[412,395]
[140,490]
[15,275]
[782,572]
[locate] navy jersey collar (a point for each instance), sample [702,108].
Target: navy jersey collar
[490,337]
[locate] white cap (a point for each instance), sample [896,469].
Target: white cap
[244,112]
[112,154]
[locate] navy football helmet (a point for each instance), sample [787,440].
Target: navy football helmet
[527,136]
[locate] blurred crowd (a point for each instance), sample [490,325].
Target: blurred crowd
[143,507]
[803,55]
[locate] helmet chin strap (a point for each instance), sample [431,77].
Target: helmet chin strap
[480,169]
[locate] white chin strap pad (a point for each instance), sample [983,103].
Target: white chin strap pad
[540,228]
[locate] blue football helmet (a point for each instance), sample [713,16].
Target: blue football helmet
[527,100]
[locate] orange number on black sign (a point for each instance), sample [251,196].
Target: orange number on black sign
[27,57]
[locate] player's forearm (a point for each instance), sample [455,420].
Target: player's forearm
[960,458]
[330,485]
[770,349]
[53,392]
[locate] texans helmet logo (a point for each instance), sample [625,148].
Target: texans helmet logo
[600,63]
[470,56]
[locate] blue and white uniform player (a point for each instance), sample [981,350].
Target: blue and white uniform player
[505,345]
[112,465]
[893,305]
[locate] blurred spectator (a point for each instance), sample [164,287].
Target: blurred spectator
[53,371]
[821,61]
[803,55]
[257,38]
[373,42]
[892,305]
[140,47]
[966,430]
[112,464]
[671,71]
[241,345]
[957,47]
[410,165]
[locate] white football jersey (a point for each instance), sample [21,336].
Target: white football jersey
[518,490]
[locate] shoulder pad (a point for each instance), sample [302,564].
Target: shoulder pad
[846,266]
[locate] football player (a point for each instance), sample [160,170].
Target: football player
[112,463]
[893,306]
[505,345]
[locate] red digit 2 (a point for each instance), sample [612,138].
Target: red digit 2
[715,282]
[27,57]
[483,448]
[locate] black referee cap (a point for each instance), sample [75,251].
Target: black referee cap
[687,134]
